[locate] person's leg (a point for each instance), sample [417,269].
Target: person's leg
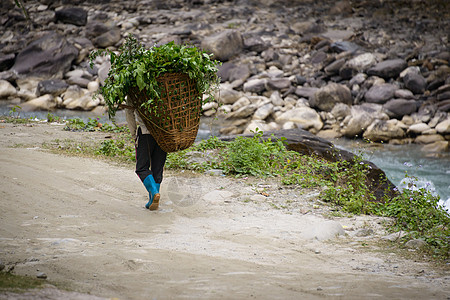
[150,160]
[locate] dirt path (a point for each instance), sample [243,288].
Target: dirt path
[82,222]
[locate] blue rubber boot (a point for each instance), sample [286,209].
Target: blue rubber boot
[153,192]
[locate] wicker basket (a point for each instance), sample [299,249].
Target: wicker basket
[174,119]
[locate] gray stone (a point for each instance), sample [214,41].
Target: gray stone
[6,61]
[306,92]
[331,94]
[276,99]
[416,244]
[263,112]
[243,112]
[416,83]
[393,237]
[278,84]
[224,45]
[380,93]
[341,110]
[227,95]
[361,62]
[243,101]
[334,67]
[388,69]
[428,139]
[108,38]
[54,87]
[397,108]
[418,128]
[436,147]
[48,56]
[255,85]
[255,43]
[403,94]
[72,15]
[239,72]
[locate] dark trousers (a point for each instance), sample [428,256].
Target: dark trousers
[150,158]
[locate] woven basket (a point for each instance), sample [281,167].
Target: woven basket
[174,119]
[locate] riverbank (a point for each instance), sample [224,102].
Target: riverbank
[82,222]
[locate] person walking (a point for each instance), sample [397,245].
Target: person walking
[150,158]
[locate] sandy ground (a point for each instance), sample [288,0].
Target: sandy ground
[82,222]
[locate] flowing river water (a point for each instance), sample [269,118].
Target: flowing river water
[431,171]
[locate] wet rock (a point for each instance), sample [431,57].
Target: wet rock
[72,15]
[331,94]
[6,90]
[224,45]
[436,147]
[428,138]
[48,56]
[54,87]
[397,108]
[380,93]
[388,69]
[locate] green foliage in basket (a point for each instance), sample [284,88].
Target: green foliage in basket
[134,65]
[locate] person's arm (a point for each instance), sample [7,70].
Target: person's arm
[131,121]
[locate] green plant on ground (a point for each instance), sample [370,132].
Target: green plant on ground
[11,282]
[135,66]
[77,124]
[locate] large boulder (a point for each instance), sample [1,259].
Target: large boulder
[49,57]
[306,143]
[46,102]
[224,45]
[360,117]
[331,94]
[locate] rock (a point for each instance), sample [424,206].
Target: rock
[6,90]
[46,102]
[227,95]
[72,15]
[6,61]
[341,110]
[414,82]
[383,131]
[403,94]
[364,232]
[276,99]
[361,62]
[223,45]
[344,46]
[243,112]
[388,69]
[428,139]
[436,147]
[393,237]
[83,103]
[416,244]
[361,116]
[418,128]
[243,101]
[255,43]
[305,92]
[331,94]
[239,72]
[334,67]
[278,84]
[380,93]
[304,117]
[329,134]
[41,275]
[397,108]
[255,85]
[443,127]
[256,124]
[48,56]
[108,38]
[54,87]
[93,86]
[306,143]
[263,112]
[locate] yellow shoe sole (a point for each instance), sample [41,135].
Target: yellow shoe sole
[155,203]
